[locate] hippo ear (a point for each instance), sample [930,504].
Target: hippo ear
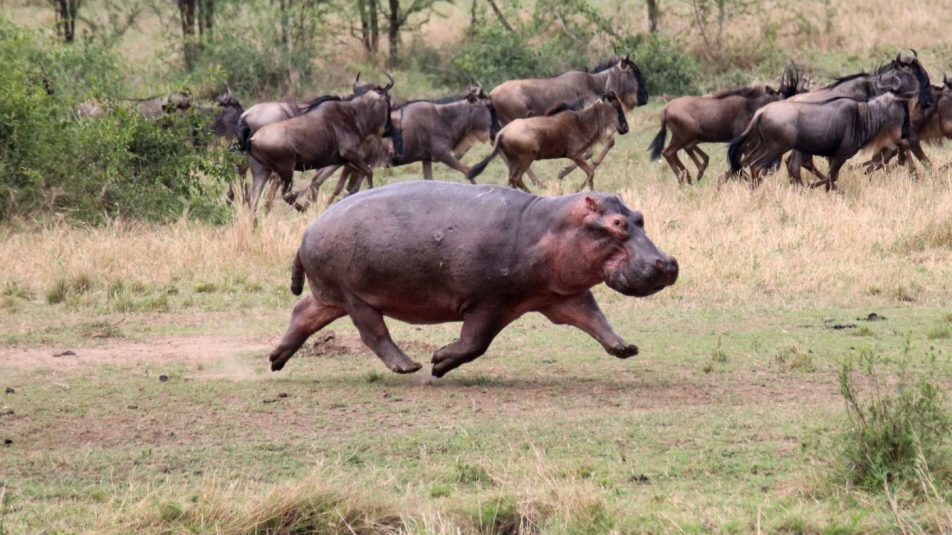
[593,204]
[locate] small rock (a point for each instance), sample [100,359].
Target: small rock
[6,411]
[639,478]
[64,354]
[10,390]
[548,361]
[282,395]
[874,317]
[133,407]
[8,442]
[269,401]
[163,378]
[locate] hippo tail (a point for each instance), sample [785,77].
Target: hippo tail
[477,169]
[243,132]
[657,145]
[297,275]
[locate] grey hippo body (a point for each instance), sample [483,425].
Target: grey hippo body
[434,252]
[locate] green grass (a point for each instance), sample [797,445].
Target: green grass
[545,430]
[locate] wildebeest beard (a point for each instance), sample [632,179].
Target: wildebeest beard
[394,134]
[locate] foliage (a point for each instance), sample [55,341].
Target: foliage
[893,428]
[119,165]
[667,66]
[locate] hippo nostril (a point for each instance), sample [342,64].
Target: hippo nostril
[659,264]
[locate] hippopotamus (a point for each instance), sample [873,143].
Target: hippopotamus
[432,252]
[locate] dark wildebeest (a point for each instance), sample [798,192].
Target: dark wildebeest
[717,118]
[440,130]
[265,113]
[434,252]
[229,112]
[836,129]
[902,76]
[563,133]
[930,124]
[331,133]
[519,99]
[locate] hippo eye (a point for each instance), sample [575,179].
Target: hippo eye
[640,223]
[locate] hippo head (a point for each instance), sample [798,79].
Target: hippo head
[632,265]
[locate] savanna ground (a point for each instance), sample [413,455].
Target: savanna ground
[139,397]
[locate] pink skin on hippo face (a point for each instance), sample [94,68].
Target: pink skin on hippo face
[433,252]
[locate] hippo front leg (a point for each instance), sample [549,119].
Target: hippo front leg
[582,312]
[375,335]
[480,326]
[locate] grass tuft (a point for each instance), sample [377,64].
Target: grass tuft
[794,358]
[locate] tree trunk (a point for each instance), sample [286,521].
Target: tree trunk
[393,32]
[196,20]
[500,16]
[369,29]
[654,13]
[66,11]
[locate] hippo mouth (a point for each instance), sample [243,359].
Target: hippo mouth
[643,285]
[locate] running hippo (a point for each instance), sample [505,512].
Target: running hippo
[433,252]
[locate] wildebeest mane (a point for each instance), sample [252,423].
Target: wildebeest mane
[748,91]
[320,100]
[565,106]
[605,65]
[847,78]
[440,100]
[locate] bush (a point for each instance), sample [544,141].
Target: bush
[668,68]
[119,165]
[493,55]
[895,427]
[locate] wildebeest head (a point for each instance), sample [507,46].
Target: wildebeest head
[790,81]
[635,266]
[610,98]
[178,101]
[382,93]
[626,79]
[228,99]
[476,95]
[906,77]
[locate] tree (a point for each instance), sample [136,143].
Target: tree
[654,13]
[66,11]
[369,36]
[397,21]
[196,20]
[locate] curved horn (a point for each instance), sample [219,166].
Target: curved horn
[357,79]
[914,53]
[389,85]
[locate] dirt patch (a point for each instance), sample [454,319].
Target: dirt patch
[331,344]
[187,349]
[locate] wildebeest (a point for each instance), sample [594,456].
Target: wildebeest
[930,124]
[265,113]
[330,133]
[837,129]
[440,130]
[563,133]
[152,107]
[229,112]
[435,252]
[717,118]
[518,99]
[903,76]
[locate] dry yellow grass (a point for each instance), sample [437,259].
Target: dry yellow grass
[882,240]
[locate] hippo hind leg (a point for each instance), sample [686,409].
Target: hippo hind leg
[376,336]
[309,316]
[583,313]
[479,329]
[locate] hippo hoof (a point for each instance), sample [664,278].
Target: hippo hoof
[409,367]
[624,352]
[277,365]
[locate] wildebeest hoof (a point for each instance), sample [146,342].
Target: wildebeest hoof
[624,352]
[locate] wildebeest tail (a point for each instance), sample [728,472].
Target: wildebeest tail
[494,125]
[243,132]
[736,147]
[658,144]
[297,275]
[477,169]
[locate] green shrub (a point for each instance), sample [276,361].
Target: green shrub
[119,165]
[493,55]
[892,428]
[667,66]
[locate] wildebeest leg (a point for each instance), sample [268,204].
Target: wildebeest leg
[582,312]
[374,333]
[259,174]
[448,160]
[516,170]
[807,163]
[534,178]
[794,161]
[694,152]
[670,154]
[835,165]
[311,191]
[344,176]
[589,172]
[309,316]
[916,148]
[270,195]
[905,146]
[572,167]
[480,326]
[428,170]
